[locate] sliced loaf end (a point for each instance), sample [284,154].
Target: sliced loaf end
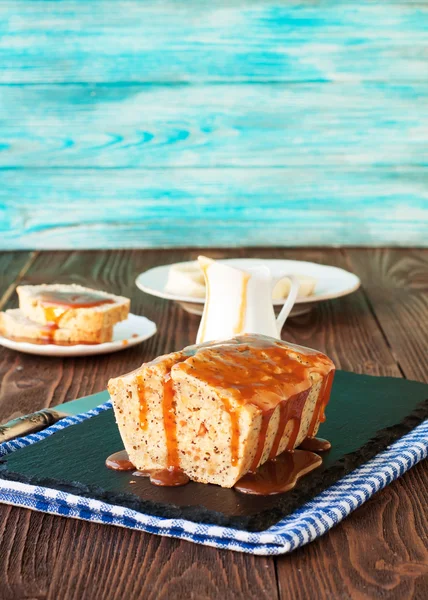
[33,305]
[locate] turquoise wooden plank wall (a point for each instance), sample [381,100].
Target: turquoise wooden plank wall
[130,123]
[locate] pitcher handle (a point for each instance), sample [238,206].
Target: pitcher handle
[290,301]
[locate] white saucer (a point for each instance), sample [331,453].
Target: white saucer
[332,282]
[127,333]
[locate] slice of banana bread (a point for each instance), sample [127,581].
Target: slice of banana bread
[218,410]
[15,325]
[72,306]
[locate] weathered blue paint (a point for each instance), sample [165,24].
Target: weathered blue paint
[57,208]
[200,41]
[238,122]
[204,126]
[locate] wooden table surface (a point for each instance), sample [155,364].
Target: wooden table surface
[380,551]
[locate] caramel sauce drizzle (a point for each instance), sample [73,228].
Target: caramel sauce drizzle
[72,299]
[266,417]
[282,424]
[327,394]
[48,332]
[291,410]
[119,461]
[170,477]
[168,409]
[207,300]
[234,427]
[51,316]
[142,402]
[322,401]
[279,475]
[243,304]
[315,444]
[273,477]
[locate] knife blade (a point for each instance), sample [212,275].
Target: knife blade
[48,416]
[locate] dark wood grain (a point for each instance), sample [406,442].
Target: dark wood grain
[379,551]
[13,266]
[396,285]
[29,543]
[128,564]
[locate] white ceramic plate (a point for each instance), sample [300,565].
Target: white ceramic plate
[332,282]
[127,333]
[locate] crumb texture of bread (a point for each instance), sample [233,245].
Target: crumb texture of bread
[236,404]
[138,406]
[15,325]
[92,318]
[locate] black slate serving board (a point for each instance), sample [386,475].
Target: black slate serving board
[364,416]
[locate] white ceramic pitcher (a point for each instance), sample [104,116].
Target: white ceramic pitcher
[240,301]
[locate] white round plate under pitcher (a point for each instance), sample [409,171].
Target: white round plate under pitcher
[332,282]
[126,334]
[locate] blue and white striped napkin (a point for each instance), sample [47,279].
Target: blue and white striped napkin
[303,526]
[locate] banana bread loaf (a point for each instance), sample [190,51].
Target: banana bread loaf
[219,410]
